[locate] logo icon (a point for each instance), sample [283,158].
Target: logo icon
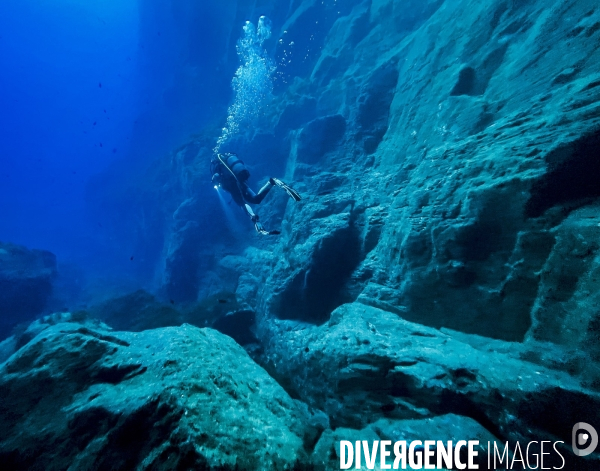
[584,434]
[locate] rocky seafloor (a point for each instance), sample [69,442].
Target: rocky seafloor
[440,278]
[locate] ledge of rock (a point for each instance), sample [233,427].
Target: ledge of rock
[367,365]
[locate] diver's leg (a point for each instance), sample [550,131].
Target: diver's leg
[256,198]
[250,213]
[264,191]
[288,189]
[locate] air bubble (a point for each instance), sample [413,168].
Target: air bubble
[252,83]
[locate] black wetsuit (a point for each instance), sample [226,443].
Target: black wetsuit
[240,191]
[230,173]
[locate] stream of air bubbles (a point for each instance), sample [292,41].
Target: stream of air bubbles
[252,83]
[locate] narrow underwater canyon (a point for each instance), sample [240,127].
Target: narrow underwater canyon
[440,277]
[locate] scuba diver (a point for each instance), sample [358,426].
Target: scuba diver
[230,173]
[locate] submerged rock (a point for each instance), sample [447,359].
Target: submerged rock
[141,310]
[366,365]
[173,398]
[25,284]
[136,311]
[445,427]
[23,334]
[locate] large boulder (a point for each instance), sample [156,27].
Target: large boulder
[176,398]
[367,365]
[25,284]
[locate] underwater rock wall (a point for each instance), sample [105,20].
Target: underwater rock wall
[447,157]
[468,150]
[450,173]
[26,278]
[473,235]
[446,153]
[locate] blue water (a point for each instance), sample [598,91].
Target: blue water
[85,85]
[92,94]
[69,81]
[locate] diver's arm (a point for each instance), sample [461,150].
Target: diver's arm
[257,225]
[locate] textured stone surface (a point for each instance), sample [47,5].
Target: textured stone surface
[25,284]
[366,366]
[567,309]
[452,212]
[444,427]
[175,398]
[462,196]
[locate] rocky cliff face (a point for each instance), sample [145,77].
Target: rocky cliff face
[468,150]
[449,164]
[447,153]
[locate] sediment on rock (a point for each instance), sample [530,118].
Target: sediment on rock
[169,398]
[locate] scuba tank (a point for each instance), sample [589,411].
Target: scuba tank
[235,166]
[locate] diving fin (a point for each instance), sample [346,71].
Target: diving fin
[288,189]
[262,231]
